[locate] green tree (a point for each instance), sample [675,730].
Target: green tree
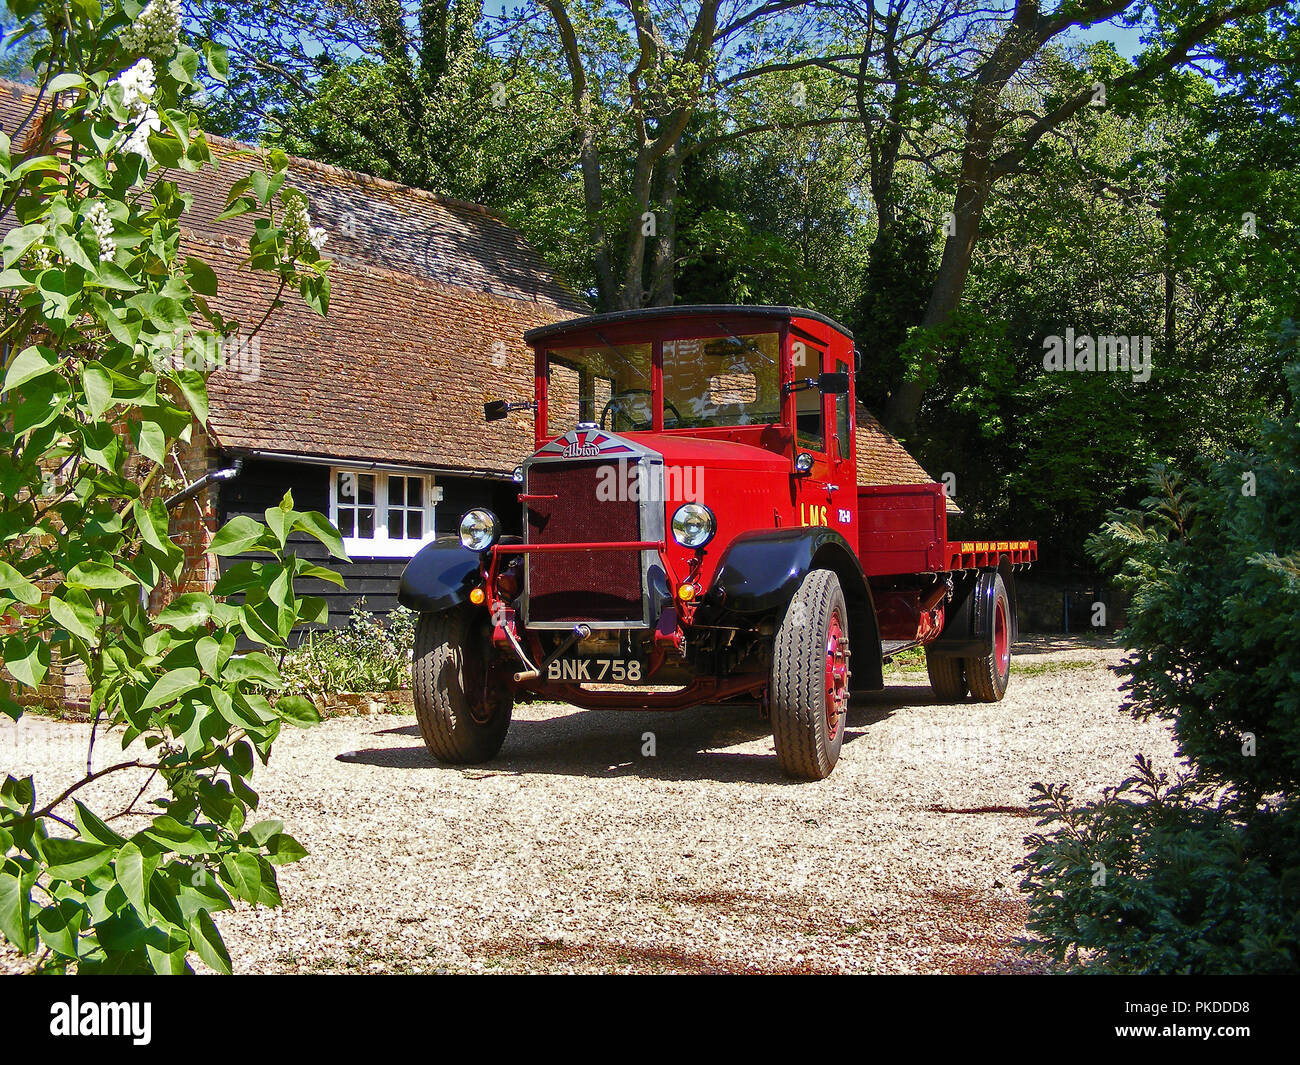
[1199,873]
[109,334]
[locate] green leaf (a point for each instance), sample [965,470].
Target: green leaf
[238,535]
[17,587]
[99,576]
[207,942]
[255,667]
[15,913]
[27,659]
[202,277]
[132,874]
[75,612]
[217,58]
[187,611]
[283,849]
[93,828]
[28,364]
[71,859]
[18,240]
[251,878]
[297,710]
[316,524]
[170,686]
[60,927]
[194,388]
[99,388]
[110,275]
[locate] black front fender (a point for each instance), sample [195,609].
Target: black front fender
[439,577]
[760,573]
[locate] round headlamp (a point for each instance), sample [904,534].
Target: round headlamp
[694,525]
[479,529]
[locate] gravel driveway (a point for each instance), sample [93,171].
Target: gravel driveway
[575,852]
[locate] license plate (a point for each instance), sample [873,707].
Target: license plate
[596,670]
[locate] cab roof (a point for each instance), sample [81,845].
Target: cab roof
[695,310]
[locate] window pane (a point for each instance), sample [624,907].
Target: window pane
[414,524]
[396,490]
[366,488]
[347,521]
[366,521]
[808,403]
[415,492]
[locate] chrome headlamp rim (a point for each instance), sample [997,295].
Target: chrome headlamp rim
[701,518]
[479,529]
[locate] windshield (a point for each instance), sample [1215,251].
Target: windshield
[708,382]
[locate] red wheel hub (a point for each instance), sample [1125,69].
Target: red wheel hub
[1001,638]
[837,675]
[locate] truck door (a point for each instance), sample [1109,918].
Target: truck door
[823,497]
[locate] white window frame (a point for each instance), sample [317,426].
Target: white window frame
[380,546]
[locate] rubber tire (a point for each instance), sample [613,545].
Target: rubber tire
[947,677]
[987,683]
[445,704]
[804,747]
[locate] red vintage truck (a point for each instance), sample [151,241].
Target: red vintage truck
[693,529]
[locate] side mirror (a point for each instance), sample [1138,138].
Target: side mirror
[494,410]
[834,384]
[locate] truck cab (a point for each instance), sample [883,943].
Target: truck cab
[694,530]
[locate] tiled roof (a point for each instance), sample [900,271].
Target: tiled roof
[883,460]
[396,374]
[379,223]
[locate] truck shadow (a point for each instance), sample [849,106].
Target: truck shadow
[688,745]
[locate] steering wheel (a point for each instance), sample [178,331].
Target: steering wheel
[615,408]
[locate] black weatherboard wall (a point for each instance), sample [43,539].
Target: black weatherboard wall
[262,484]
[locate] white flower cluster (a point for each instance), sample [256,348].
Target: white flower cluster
[157,30]
[137,83]
[42,257]
[138,141]
[137,91]
[102,226]
[298,229]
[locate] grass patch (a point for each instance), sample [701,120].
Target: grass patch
[1038,669]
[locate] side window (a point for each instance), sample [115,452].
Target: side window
[842,427]
[809,431]
[563,398]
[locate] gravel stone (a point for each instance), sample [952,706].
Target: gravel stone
[574,853]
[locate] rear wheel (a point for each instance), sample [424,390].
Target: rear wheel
[461,689]
[810,679]
[988,675]
[947,676]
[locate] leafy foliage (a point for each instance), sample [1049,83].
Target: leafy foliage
[369,655]
[1202,873]
[104,321]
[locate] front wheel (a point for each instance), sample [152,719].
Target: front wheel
[462,695]
[988,675]
[810,679]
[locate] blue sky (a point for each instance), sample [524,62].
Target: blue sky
[1125,40]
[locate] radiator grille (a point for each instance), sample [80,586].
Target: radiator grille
[577,586]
